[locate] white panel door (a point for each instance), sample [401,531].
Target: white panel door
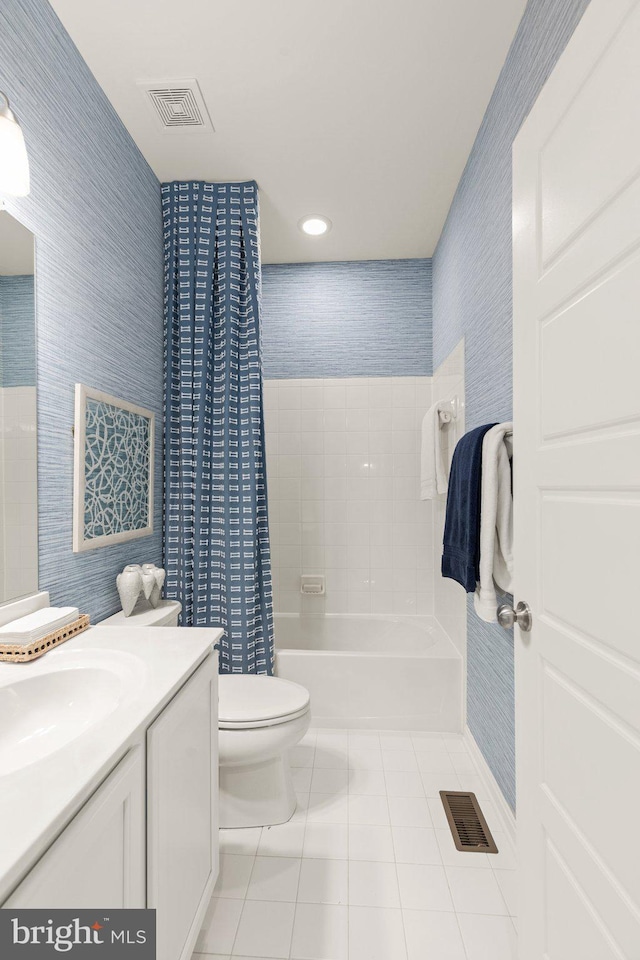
[577,496]
[182,812]
[99,859]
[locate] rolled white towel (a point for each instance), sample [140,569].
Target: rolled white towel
[496,523]
[434,475]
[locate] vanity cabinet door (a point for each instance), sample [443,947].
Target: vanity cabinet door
[99,859]
[182,812]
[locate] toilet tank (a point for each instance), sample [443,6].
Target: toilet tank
[144,615]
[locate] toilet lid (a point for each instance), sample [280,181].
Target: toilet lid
[250,700]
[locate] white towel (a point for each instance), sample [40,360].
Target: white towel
[496,523]
[434,474]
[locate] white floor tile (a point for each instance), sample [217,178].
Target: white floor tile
[243,841]
[332,740]
[462,763]
[376,934]
[367,783]
[403,783]
[302,755]
[363,740]
[283,840]
[400,760]
[320,932]
[301,777]
[213,956]
[371,810]
[488,938]
[473,783]
[416,845]
[328,808]
[438,816]
[452,857]
[370,843]
[220,926]
[393,741]
[508,883]
[409,812]
[233,878]
[324,881]
[325,841]
[274,878]
[505,858]
[423,743]
[455,744]
[373,884]
[433,783]
[423,887]
[331,758]
[432,936]
[434,762]
[475,891]
[265,929]
[329,781]
[365,758]
[367,864]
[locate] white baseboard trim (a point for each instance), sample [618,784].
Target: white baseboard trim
[504,811]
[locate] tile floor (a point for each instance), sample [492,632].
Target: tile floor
[366,869]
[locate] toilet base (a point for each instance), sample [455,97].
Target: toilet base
[257,794]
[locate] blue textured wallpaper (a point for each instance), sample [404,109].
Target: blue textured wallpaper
[95,211]
[357,319]
[472,297]
[17,332]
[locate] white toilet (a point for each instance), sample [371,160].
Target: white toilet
[260,719]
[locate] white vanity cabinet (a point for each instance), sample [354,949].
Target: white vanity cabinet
[99,859]
[148,835]
[182,813]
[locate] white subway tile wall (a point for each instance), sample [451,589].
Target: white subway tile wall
[343,467]
[450,606]
[19,482]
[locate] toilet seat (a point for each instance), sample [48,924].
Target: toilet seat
[249,701]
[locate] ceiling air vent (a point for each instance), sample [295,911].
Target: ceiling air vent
[178,104]
[467,823]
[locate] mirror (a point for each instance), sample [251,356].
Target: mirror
[18,423]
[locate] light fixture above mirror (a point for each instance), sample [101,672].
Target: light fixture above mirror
[14,162]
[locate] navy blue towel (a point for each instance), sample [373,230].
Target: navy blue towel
[461,547]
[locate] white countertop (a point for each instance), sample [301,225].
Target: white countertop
[38,800]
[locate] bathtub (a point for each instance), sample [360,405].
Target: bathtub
[373,672]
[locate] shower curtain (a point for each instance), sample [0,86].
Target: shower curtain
[216,532]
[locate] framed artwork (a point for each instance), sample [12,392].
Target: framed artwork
[113,470]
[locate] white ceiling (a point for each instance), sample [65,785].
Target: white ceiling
[361,110]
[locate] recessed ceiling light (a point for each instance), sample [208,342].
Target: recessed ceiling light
[315,226]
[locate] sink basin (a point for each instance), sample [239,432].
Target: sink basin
[44,711]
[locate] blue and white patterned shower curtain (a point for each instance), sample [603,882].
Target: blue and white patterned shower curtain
[216,532]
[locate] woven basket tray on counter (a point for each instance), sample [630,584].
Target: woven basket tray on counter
[24,652]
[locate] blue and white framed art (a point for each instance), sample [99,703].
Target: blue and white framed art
[113,470]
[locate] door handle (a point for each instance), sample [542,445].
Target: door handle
[507,616]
